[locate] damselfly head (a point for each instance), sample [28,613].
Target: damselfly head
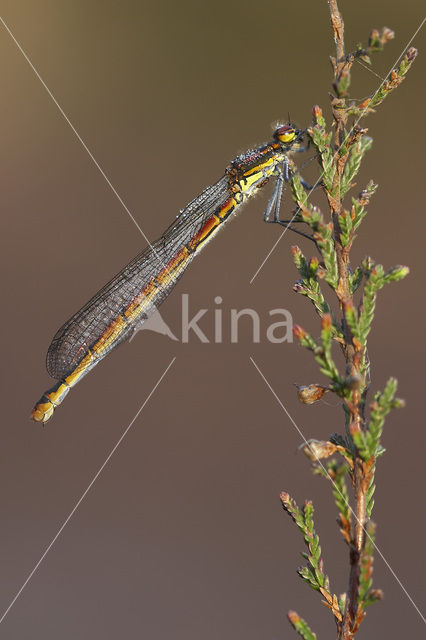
[286,133]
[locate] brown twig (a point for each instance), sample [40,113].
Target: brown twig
[338,28]
[341,68]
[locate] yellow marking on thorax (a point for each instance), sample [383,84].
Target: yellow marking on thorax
[247,184]
[265,165]
[256,175]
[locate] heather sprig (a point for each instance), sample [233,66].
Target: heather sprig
[301,626]
[345,325]
[313,573]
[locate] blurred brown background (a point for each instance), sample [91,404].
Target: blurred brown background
[183,535]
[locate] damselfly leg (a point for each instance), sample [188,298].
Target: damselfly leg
[283,174]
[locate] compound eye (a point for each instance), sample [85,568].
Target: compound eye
[285,133]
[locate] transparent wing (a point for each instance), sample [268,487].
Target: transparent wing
[87,325]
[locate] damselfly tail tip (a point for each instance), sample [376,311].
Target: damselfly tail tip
[42,411]
[47,404]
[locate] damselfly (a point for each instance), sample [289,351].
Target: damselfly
[122,305]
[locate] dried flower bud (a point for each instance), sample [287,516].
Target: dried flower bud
[299,332]
[398,403]
[298,287]
[387,34]
[374,37]
[411,54]
[364,197]
[364,104]
[398,273]
[357,133]
[293,617]
[285,498]
[317,111]
[317,449]
[326,321]
[310,394]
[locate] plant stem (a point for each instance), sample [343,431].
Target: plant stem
[340,153]
[346,628]
[338,28]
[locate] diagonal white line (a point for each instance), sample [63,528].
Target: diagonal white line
[84,494]
[274,246]
[92,157]
[338,490]
[371,70]
[346,137]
